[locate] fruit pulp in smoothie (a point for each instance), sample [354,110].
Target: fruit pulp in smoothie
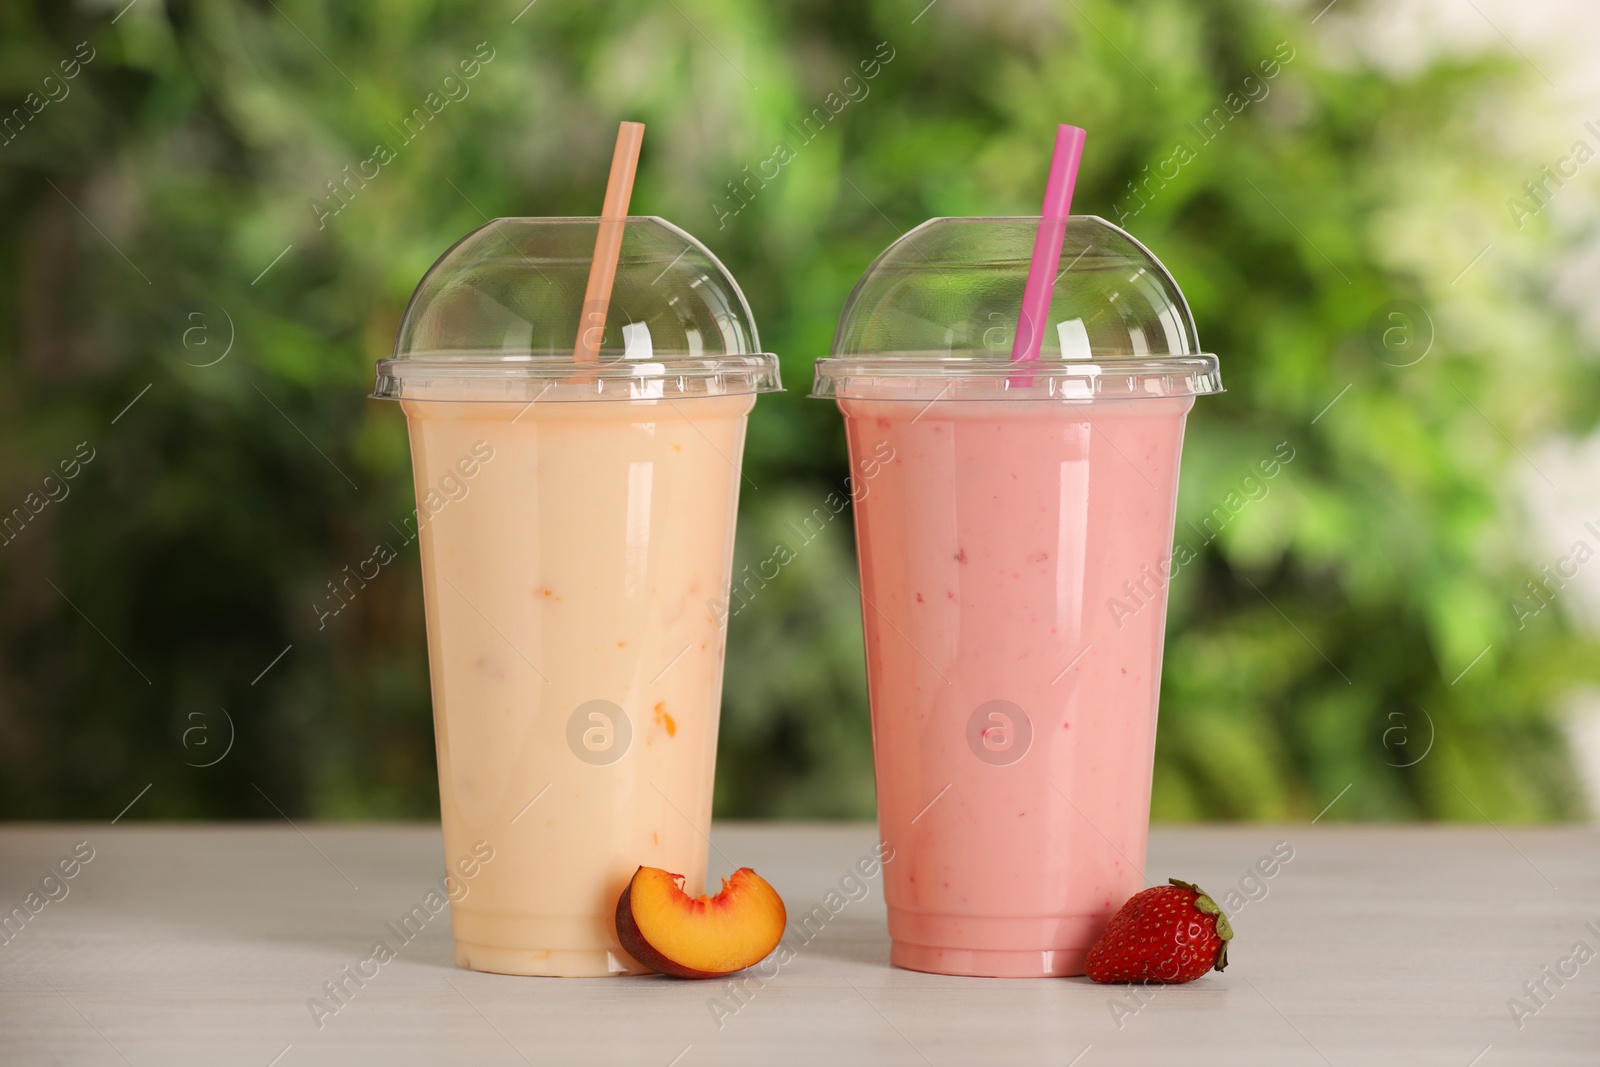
[575,656]
[1014,557]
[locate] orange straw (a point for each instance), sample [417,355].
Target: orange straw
[608,245]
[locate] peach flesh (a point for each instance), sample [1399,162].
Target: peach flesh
[669,931]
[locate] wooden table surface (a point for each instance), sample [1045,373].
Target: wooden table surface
[202,944]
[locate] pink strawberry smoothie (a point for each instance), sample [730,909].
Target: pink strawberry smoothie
[994,550]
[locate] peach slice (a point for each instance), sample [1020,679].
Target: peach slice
[669,931]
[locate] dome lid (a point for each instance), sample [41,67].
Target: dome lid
[937,310]
[497,318]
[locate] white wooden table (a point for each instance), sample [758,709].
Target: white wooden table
[201,944]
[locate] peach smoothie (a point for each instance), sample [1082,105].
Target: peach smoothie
[1013,703]
[576,663]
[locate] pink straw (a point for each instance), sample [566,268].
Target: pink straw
[1047,245]
[608,242]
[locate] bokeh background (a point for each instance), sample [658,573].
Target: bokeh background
[189,318]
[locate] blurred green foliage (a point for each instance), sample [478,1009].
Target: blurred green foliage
[161,206]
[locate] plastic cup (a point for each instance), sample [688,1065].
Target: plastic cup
[576,531]
[1014,547]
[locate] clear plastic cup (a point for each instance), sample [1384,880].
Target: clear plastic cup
[576,535]
[1014,540]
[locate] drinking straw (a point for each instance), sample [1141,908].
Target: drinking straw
[1047,244]
[608,243]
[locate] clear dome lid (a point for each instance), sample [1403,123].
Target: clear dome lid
[497,318]
[934,316]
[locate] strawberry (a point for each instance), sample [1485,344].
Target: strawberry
[1165,934]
